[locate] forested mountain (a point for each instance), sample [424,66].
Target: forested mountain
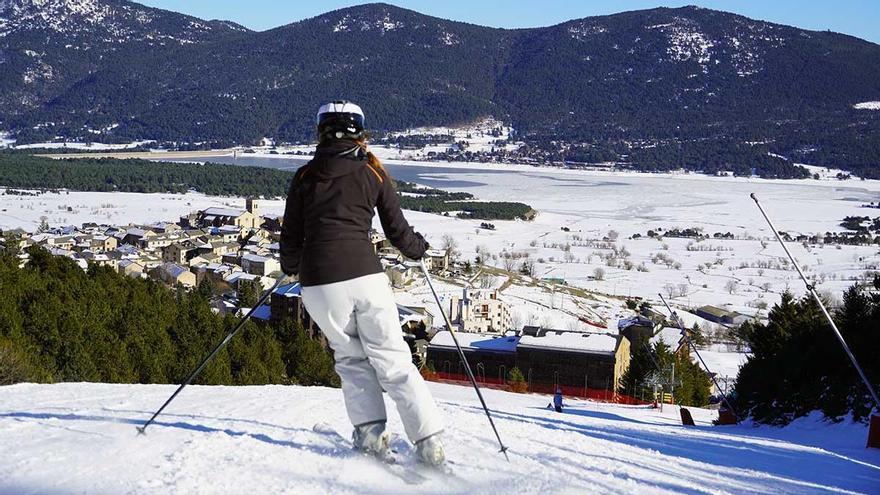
[49,48]
[109,70]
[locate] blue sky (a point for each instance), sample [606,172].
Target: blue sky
[855,17]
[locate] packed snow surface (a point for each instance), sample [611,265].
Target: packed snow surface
[80,438]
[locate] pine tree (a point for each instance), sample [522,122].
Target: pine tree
[307,361]
[516,382]
[641,365]
[248,294]
[797,365]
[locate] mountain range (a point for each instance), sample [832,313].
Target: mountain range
[114,70]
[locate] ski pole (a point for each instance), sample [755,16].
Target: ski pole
[461,356]
[812,290]
[690,342]
[142,429]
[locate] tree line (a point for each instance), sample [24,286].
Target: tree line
[19,170]
[61,323]
[142,176]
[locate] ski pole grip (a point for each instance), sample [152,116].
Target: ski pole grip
[754,197]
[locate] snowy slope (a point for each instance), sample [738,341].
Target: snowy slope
[80,438]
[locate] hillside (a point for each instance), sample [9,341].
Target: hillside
[80,437]
[667,76]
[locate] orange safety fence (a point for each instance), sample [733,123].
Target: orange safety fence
[599,395]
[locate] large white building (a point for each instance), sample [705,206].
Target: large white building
[480,311]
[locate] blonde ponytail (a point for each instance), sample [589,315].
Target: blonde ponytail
[372,159]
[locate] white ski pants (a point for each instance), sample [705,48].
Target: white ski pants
[360,321]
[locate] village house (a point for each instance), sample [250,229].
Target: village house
[164,227]
[594,360]
[226,233]
[259,265]
[218,272]
[65,242]
[231,258]
[134,236]
[436,260]
[399,273]
[173,274]
[249,218]
[237,277]
[673,338]
[100,259]
[203,259]
[193,233]
[104,242]
[161,241]
[130,268]
[480,311]
[181,252]
[721,316]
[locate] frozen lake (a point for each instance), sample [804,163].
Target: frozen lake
[744,273]
[409,172]
[633,199]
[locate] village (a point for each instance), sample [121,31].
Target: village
[235,250]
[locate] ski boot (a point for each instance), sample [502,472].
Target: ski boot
[372,439]
[429,451]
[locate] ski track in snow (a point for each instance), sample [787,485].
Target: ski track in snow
[80,437]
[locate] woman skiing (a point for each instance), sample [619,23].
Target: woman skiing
[325,241]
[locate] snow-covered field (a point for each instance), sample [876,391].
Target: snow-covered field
[80,438]
[744,274]
[75,208]
[81,146]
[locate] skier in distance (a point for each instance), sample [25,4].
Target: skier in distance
[557,399]
[325,241]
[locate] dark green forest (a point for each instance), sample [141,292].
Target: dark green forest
[798,366]
[59,323]
[432,200]
[18,170]
[144,176]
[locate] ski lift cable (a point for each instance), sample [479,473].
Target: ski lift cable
[690,342]
[812,290]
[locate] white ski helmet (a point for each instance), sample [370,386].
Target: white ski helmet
[340,119]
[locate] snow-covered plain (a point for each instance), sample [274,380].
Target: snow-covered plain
[80,438]
[744,274]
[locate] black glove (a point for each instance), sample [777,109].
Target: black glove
[425,247]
